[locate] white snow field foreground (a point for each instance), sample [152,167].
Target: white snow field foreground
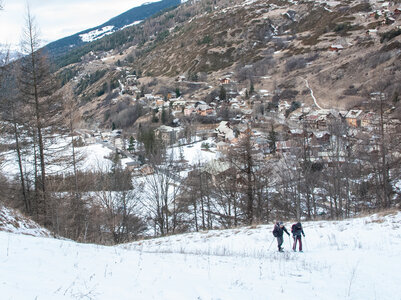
[350,259]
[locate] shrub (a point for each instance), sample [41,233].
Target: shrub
[295,63]
[88,80]
[206,40]
[387,36]
[342,28]
[288,94]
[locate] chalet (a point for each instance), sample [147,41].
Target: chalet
[132,165]
[180,78]
[199,102]
[146,170]
[225,132]
[167,134]
[116,133]
[106,135]
[132,90]
[336,47]
[204,110]
[216,168]
[264,93]
[247,114]
[119,143]
[371,31]
[160,102]
[368,120]
[284,146]
[189,110]
[225,80]
[283,106]
[376,14]
[296,115]
[179,105]
[232,93]
[353,118]
[312,119]
[320,138]
[131,79]
[325,116]
[234,100]
[262,144]
[388,21]
[331,157]
[385,4]
[149,96]
[296,133]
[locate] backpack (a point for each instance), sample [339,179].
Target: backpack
[275,231]
[295,227]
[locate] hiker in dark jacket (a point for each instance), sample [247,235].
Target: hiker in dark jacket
[296,230]
[278,233]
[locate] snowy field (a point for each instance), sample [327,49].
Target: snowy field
[351,259]
[95,157]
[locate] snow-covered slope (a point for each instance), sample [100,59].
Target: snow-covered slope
[14,222]
[96,34]
[351,259]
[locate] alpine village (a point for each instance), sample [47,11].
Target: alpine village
[153,156]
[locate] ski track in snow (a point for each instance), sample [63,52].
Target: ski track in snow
[350,259]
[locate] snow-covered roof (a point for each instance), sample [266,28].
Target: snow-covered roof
[215,167]
[337,46]
[296,131]
[321,134]
[203,107]
[225,130]
[353,113]
[165,128]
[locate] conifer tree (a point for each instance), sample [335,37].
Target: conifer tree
[37,85]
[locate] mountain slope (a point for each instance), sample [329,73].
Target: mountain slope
[12,221]
[65,45]
[350,259]
[287,42]
[276,45]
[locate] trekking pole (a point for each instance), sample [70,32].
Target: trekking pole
[271,243]
[306,246]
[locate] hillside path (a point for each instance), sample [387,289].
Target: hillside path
[311,93]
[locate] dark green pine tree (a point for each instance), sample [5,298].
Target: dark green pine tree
[222,94]
[164,116]
[131,144]
[251,89]
[177,92]
[272,140]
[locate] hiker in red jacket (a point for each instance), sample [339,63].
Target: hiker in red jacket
[296,230]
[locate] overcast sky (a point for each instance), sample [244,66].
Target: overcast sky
[58,18]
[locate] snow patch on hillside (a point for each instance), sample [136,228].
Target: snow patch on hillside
[96,34]
[14,222]
[132,24]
